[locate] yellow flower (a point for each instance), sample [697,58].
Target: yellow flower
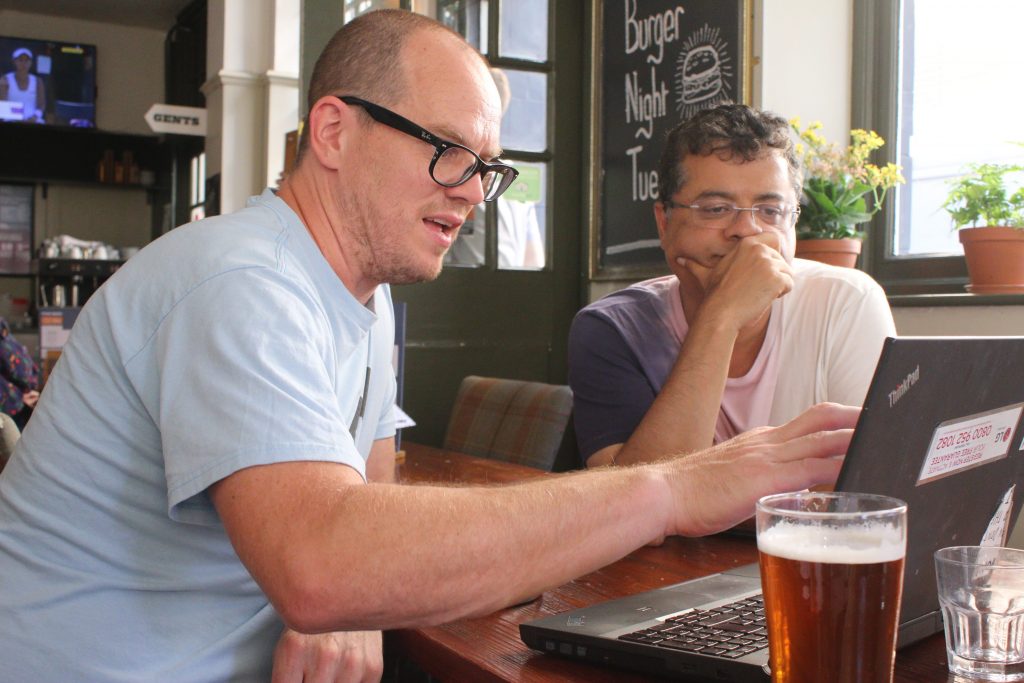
[842,188]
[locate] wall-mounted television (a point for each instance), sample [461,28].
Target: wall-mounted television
[47,82]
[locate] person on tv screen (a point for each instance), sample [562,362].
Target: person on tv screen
[24,88]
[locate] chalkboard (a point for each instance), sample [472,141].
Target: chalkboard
[656,62]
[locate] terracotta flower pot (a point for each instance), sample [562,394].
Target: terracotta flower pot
[995,259]
[841,252]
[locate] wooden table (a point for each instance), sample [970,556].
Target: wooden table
[489,648]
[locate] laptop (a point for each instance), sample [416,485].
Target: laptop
[941,429]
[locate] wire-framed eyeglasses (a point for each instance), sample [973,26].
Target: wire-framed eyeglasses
[720,215]
[453,164]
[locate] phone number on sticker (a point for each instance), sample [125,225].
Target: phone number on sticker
[963,437]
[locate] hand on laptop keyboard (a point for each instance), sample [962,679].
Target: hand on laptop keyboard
[717,488]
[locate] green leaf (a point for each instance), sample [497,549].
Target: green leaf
[980,197]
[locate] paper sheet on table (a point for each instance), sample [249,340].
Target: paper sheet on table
[402,419]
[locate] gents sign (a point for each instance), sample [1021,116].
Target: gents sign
[662,62]
[170,118]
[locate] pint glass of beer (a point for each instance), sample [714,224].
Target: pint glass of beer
[832,576]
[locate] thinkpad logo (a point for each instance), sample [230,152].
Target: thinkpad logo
[903,387]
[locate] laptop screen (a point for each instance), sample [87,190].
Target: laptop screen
[941,429]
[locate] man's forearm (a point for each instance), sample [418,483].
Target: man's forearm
[682,417]
[389,556]
[334,554]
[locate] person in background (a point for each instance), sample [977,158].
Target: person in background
[520,243]
[19,375]
[741,334]
[25,88]
[205,493]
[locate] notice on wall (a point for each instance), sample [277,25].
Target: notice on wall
[16,229]
[54,329]
[661,62]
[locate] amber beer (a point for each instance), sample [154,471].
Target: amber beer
[832,591]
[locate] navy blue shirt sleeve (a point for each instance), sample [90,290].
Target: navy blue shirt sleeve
[611,393]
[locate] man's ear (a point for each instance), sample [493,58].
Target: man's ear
[330,120]
[661,219]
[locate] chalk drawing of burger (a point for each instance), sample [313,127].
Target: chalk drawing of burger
[702,75]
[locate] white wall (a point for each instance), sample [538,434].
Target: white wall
[86,211]
[958,321]
[129,64]
[805,50]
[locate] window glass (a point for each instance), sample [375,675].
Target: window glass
[524,126]
[521,211]
[467,17]
[197,187]
[518,219]
[521,225]
[470,248]
[960,103]
[353,8]
[524,29]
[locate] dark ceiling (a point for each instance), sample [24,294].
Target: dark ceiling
[154,14]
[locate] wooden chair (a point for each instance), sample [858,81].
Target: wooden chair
[514,421]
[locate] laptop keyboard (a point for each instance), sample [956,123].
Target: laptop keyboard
[729,631]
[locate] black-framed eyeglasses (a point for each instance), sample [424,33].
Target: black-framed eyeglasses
[453,164]
[719,215]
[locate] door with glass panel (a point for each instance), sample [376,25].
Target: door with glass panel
[503,304]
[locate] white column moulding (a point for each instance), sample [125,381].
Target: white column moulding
[239,56]
[283,94]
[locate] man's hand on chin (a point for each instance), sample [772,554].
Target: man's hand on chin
[748,279]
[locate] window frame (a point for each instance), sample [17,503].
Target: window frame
[545,157]
[876,90]
[511,156]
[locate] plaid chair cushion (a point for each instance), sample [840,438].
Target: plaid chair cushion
[509,420]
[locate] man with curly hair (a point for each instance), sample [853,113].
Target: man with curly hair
[741,334]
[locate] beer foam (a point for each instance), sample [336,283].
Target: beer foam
[869,544]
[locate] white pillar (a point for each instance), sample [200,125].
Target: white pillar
[240,55]
[283,94]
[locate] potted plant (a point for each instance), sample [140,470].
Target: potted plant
[990,220]
[842,190]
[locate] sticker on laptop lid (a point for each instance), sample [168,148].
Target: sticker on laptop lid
[999,526]
[967,442]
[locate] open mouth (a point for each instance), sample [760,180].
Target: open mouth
[443,228]
[442,225]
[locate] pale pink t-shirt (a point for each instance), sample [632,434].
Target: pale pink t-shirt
[747,400]
[823,342]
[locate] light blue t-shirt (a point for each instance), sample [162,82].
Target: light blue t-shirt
[225,344]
